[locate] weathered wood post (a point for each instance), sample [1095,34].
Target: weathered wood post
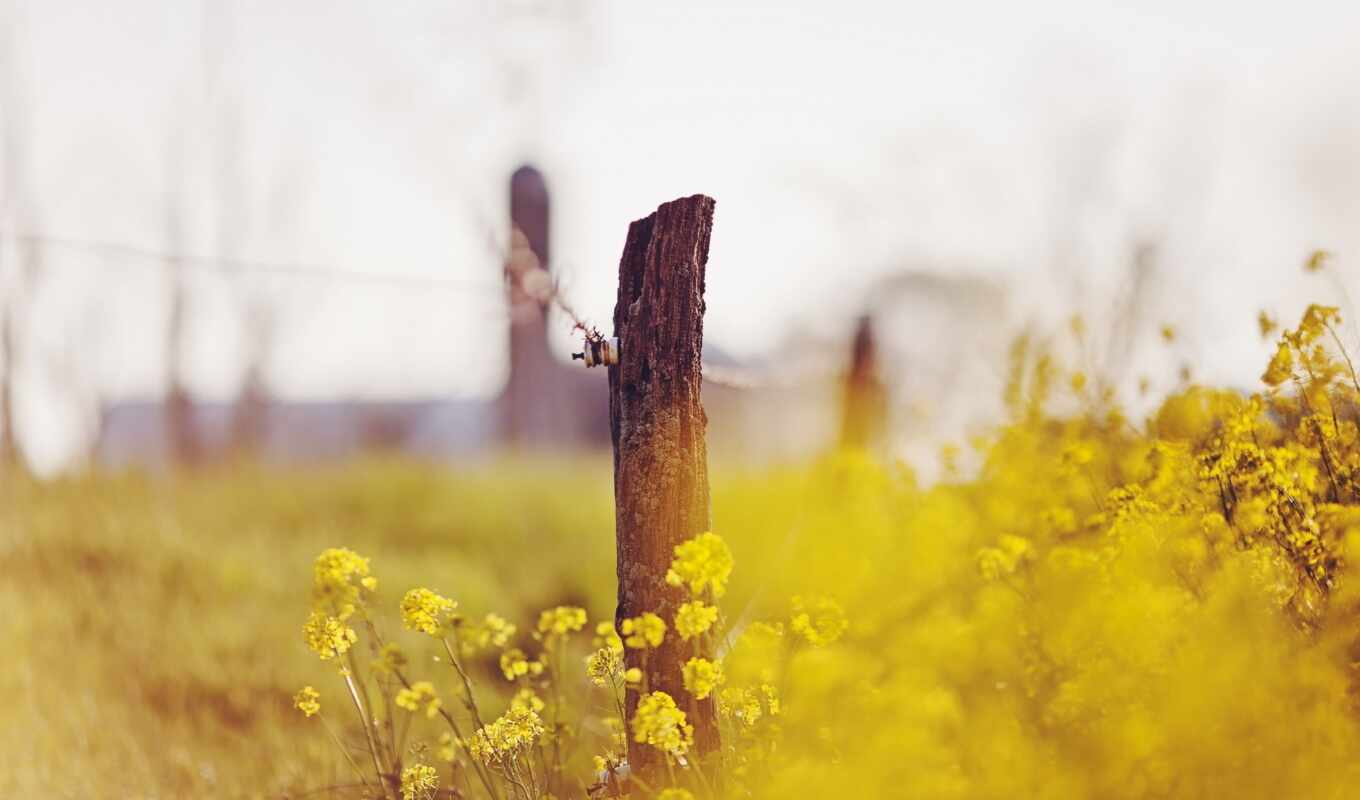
[864,404]
[657,423]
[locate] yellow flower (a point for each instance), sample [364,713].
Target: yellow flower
[423,610]
[493,631]
[702,562]
[694,618]
[606,636]
[702,677]
[390,659]
[420,693]
[644,631]
[502,740]
[515,664]
[561,620]
[661,724]
[339,579]
[1316,261]
[744,705]
[327,636]
[675,794]
[632,675]
[419,782]
[1266,324]
[1006,558]
[526,700]
[308,701]
[771,699]
[447,743]
[604,665]
[1281,367]
[820,620]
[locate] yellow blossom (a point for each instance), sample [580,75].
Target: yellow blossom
[421,693]
[661,724]
[308,701]
[424,611]
[604,665]
[561,620]
[390,659]
[701,677]
[446,750]
[509,736]
[515,664]
[328,636]
[692,619]
[700,563]
[339,580]
[419,782]
[1266,324]
[526,700]
[606,636]
[641,632]
[819,620]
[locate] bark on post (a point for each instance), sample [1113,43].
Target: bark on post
[864,405]
[657,424]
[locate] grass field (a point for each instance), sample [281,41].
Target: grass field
[152,623]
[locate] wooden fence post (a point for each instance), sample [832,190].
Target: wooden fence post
[530,410]
[657,424]
[864,405]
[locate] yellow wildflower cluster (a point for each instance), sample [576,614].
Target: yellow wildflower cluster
[390,660]
[493,631]
[606,636]
[308,701]
[694,618]
[748,706]
[661,724]
[701,563]
[508,737]
[340,580]
[328,636]
[515,664]
[447,749]
[819,620]
[561,620]
[604,666]
[643,631]
[423,610]
[419,782]
[701,677]
[526,700]
[420,693]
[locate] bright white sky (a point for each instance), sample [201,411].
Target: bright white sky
[842,141]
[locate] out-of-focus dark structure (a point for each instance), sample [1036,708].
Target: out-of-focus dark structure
[546,404]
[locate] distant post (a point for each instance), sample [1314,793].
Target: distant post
[527,406]
[864,404]
[657,424]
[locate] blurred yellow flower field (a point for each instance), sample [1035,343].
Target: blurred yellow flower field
[1107,608]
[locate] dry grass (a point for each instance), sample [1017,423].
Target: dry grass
[151,623]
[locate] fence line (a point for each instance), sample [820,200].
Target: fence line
[227,266]
[726,376]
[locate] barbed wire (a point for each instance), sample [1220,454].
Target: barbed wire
[228,266]
[530,277]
